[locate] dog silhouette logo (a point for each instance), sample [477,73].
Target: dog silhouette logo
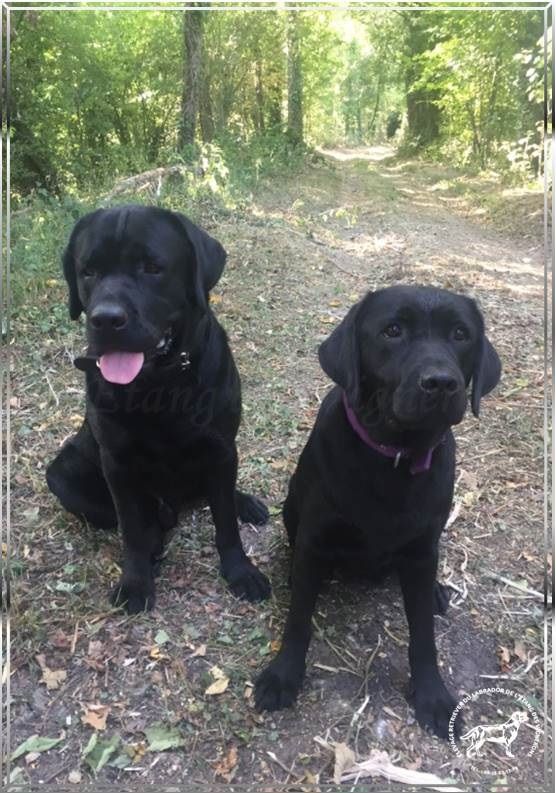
[499,716]
[504,734]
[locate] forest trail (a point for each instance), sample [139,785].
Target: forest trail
[301,252]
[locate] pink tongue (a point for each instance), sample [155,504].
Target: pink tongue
[121,367]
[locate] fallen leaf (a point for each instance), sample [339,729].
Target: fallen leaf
[97,753]
[161,637]
[218,687]
[61,640]
[226,767]
[95,716]
[159,738]
[504,658]
[31,757]
[199,652]
[344,758]
[50,677]
[378,764]
[220,684]
[95,655]
[35,744]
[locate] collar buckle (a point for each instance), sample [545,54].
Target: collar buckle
[397,459]
[185,362]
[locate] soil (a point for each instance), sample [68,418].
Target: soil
[300,254]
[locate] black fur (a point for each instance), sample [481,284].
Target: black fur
[405,357]
[148,448]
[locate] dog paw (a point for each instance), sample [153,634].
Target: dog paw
[247,582]
[278,685]
[133,596]
[251,509]
[441,598]
[434,706]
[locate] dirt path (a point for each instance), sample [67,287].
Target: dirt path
[299,256]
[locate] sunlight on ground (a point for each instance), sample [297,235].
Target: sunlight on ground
[372,153]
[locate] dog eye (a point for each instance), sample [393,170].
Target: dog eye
[392,331]
[461,333]
[151,268]
[88,272]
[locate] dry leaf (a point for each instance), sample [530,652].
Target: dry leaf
[200,652]
[504,658]
[226,767]
[61,640]
[95,655]
[50,677]
[95,716]
[220,684]
[379,764]
[275,645]
[344,758]
[218,687]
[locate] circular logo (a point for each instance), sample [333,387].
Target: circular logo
[497,721]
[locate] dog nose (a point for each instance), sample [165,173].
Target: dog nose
[439,383]
[108,316]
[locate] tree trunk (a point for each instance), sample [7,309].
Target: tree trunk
[372,122]
[259,94]
[295,80]
[192,73]
[206,117]
[423,114]
[274,90]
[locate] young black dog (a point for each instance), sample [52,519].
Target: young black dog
[163,395]
[375,480]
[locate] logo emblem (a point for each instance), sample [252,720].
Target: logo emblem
[497,720]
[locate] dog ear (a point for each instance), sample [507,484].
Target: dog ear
[486,373]
[74,303]
[210,256]
[339,355]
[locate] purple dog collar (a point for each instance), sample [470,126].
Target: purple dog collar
[419,464]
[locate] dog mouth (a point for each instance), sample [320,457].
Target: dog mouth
[122,367]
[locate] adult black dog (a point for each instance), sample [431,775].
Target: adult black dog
[163,395]
[375,480]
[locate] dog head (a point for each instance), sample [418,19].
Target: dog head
[142,276]
[406,355]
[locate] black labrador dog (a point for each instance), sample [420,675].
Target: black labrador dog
[374,484]
[163,395]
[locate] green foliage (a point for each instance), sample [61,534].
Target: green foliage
[485,72]
[97,95]
[94,95]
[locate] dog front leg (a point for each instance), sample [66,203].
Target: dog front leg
[433,702]
[137,519]
[244,579]
[279,684]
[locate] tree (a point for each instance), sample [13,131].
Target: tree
[295,79]
[192,74]
[423,112]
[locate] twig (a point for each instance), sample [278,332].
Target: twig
[365,683]
[54,394]
[355,718]
[514,584]
[282,765]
